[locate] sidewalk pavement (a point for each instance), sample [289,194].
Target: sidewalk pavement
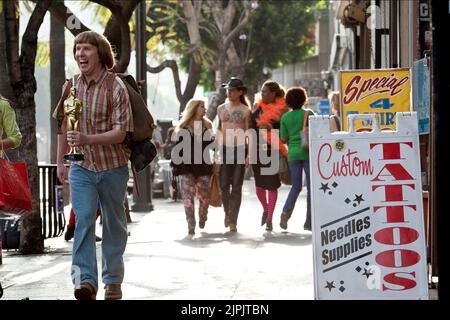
[162,262]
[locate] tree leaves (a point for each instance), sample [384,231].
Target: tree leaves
[43,54]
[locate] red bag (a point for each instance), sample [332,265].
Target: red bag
[15,194]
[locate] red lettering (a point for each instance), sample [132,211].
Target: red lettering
[372,86]
[397,238]
[391,150]
[394,92]
[405,283]
[391,82]
[393,192]
[383,82]
[326,148]
[349,164]
[351,90]
[395,214]
[404,235]
[398,258]
[396,170]
[363,89]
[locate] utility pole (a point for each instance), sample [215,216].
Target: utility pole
[143,200]
[57,76]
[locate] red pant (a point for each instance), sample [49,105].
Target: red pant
[71,223]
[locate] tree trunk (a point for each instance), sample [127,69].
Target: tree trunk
[57,75]
[5,51]
[224,18]
[5,84]
[191,11]
[31,239]
[217,99]
[118,32]
[191,84]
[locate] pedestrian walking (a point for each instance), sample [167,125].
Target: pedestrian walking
[234,117]
[335,119]
[265,117]
[292,124]
[8,125]
[103,174]
[195,174]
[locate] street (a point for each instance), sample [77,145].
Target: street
[163,263]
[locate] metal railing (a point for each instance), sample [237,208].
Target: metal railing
[51,204]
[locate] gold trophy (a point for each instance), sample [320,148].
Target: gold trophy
[72,109]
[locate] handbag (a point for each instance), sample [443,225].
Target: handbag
[283,171]
[142,154]
[216,199]
[15,194]
[305,132]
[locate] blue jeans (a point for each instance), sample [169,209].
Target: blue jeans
[296,168]
[87,187]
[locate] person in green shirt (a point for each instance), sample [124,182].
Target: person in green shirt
[298,159]
[10,136]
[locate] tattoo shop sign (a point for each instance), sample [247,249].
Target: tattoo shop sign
[367,212]
[383,92]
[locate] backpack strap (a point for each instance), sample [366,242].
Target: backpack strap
[111,77]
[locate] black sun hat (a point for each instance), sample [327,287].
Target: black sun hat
[234,83]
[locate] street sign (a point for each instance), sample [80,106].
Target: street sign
[383,92]
[421,90]
[367,212]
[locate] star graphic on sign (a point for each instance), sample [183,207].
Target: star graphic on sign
[324,187]
[358,198]
[367,273]
[330,285]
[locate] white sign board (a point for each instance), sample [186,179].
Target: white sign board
[367,212]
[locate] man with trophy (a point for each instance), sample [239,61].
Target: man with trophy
[95,129]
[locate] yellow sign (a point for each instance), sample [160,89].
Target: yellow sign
[383,92]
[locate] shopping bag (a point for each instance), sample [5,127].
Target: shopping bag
[283,171]
[15,194]
[216,199]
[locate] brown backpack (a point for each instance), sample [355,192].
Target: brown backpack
[142,119]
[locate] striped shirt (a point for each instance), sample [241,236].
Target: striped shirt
[97,118]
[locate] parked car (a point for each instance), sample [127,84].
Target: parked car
[164,184]
[162,179]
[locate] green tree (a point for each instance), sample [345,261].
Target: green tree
[243,38]
[281,32]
